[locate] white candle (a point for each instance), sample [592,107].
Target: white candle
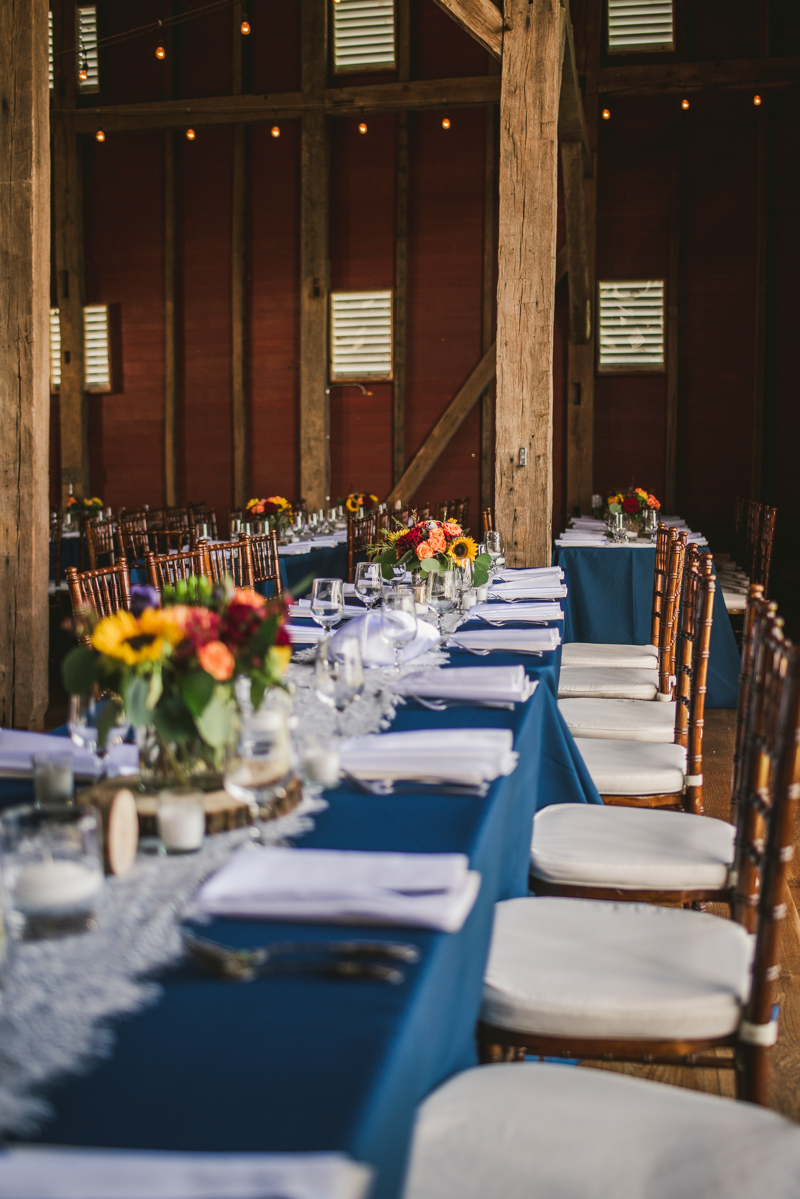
[56,884]
[181,823]
[321,765]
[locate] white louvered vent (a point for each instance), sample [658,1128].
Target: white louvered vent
[50,48]
[97,367]
[87,49]
[363,35]
[361,335]
[632,326]
[639,26]
[55,349]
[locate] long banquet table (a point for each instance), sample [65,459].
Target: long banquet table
[303,1063]
[610,600]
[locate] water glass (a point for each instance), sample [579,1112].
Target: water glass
[201,531]
[87,724]
[399,621]
[327,602]
[318,762]
[441,593]
[339,674]
[651,523]
[52,870]
[616,526]
[369,583]
[496,549]
[181,819]
[53,780]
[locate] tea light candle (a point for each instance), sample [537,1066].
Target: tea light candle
[482,594]
[56,884]
[321,765]
[181,821]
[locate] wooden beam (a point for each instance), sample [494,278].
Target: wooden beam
[481,19]
[673,310]
[761,299]
[314,266]
[400,298]
[562,264]
[580,297]
[459,407]
[488,294]
[170,323]
[24,364]
[68,246]
[678,77]
[533,49]
[238,284]
[571,120]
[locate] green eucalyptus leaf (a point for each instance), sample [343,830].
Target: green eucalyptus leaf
[615,508]
[80,670]
[430,565]
[174,720]
[216,722]
[388,559]
[155,688]
[134,694]
[197,689]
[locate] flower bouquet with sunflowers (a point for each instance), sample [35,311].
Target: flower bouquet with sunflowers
[88,505]
[170,671]
[360,499]
[431,545]
[273,505]
[633,502]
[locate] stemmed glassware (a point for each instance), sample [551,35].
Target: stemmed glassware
[90,720]
[399,621]
[339,674]
[441,593]
[369,583]
[327,602]
[495,548]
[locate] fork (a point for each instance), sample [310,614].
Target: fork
[246,964]
[441,705]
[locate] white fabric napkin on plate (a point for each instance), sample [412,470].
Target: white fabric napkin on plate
[17,748]
[471,756]
[44,1173]
[302,610]
[514,590]
[533,576]
[304,634]
[511,640]
[422,890]
[492,684]
[377,652]
[576,542]
[528,613]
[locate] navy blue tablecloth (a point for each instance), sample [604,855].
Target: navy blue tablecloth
[610,600]
[302,1063]
[324,563]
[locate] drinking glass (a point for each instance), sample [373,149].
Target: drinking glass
[651,523]
[369,582]
[616,526]
[441,593]
[339,674]
[53,779]
[463,581]
[327,602]
[181,819]
[399,621]
[495,549]
[201,531]
[86,716]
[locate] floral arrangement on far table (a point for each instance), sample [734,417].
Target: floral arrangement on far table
[273,505]
[87,504]
[633,502]
[431,545]
[360,499]
[170,671]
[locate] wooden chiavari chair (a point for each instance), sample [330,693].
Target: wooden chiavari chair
[362,532]
[459,512]
[198,515]
[100,542]
[102,591]
[214,562]
[586,979]
[176,519]
[263,562]
[766,538]
[487,520]
[424,511]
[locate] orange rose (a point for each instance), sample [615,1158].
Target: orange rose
[451,528]
[249,597]
[424,550]
[217,660]
[437,541]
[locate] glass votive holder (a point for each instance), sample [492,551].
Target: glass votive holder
[52,870]
[236,526]
[53,778]
[319,762]
[201,531]
[181,819]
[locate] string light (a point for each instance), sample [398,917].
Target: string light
[684,103]
[275,131]
[362,128]
[446,123]
[190,135]
[245,26]
[160,51]
[606,114]
[756,100]
[100,136]
[83,73]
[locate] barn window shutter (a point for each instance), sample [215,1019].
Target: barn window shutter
[638,26]
[361,335]
[96,348]
[87,48]
[631,320]
[363,36]
[50,48]
[55,349]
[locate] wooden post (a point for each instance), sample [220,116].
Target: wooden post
[531,79]
[580,303]
[24,363]
[68,246]
[673,290]
[400,299]
[238,283]
[488,294]
[170,323]
[314,264]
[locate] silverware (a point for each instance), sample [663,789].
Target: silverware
[411,786]
[246,964]
[496,623]
[481,653]
[441,705]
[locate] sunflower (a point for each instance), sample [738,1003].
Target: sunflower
[462,550]
[133,641]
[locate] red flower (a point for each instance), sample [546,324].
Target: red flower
[282,637]
[409,540]
[201,626]
[630,504]
[239,623]
[269,509]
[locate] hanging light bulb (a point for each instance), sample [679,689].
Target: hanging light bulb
[606,115]
[160,51]
[190,135]
[362,127]
[756,100]
[99,136]
[445,123]
[684,103]
[275,131]
[83,73]
[245,26]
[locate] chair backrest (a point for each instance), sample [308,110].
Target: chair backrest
[200,514]
[176,518]
[694,646]
[100,541]
[757,612]
[155,518]
[668,630]
[764,555]
[214,562]
[102,591]
[664,537]
[487,518]
[261,554]
[233,514]
[362,532]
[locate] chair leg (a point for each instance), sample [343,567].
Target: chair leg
[752,1074]
[490,1054]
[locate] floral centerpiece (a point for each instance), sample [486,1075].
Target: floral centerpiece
[360,499]
[275,509]
[87,505]
[633,502]
[431,545]
[170,671]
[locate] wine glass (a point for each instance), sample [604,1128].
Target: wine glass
[89,720]
[399,621]
[441,594]
[464,575]
[495,549]
[327,602]
[369,583]
[339,674]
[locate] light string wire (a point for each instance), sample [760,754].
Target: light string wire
[153,27]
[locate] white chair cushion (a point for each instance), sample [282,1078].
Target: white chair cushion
[634,767]
[588,968]
[607,682]
[630,849]
[525,1130]
[584,653]
[619,719]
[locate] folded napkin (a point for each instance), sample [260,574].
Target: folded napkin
[586,522]
[567,543]
[294,547]
[491,684]
[302,610]
[420,890]
[471,756]
[509,591]
[510,640]
[528,613]
[17,748]
[377,652]
[304,634]
[34,1173]
[530,575]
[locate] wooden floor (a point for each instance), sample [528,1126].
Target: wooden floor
[785,1088]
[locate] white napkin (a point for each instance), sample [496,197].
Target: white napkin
[569,542]
[508,591]
[493,684]
[422,890]
[528,613]
[304,634]
[17,748]
[471,756]
[511,640]
[302,609]
[533,576]
[294,547]
[377,652]
[586,522]
[44,1173]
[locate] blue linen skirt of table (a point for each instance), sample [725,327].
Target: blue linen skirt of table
[610,600]
[302,1063]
